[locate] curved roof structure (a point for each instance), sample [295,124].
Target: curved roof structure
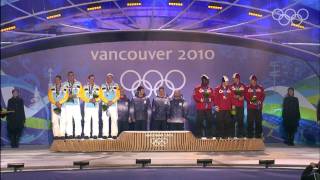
[294,23]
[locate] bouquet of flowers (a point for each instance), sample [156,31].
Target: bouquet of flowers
[206,96]
[104,107]
[254,99]
[238,92]
[57,110]
[233,111]
[94,96]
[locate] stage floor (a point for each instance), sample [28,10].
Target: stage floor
[40,157]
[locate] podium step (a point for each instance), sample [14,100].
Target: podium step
[155,141]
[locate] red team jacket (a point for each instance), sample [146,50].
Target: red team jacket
[240,88]
[199,96]
[249,94]
[224,99]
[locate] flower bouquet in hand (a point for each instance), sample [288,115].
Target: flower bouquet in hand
[254,100]
[238,92]
[206,96]
[104,107]
[233,111]
[94,96]
[57,110]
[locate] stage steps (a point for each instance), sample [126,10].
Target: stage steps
[149,141]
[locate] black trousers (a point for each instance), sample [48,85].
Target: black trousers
[204,116]
[290,130]
[123,126]
[254,123]
[224,124]
[14,135]
[176,126]
[140,125]
[238,122]
[159,125]
[132,126]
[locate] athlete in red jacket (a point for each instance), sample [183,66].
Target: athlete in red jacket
[238,90]
[203,96]
[223,100]
[254,96]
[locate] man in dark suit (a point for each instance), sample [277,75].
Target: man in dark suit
[15,119]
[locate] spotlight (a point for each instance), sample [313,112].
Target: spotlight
[9,27]
[300,26]
[94,7]
[53,15]
[81,164]
[266,163]
[16,166]
[175,3]
[134,3]
[215,6]
[204,162]
[143,162]
[255,13]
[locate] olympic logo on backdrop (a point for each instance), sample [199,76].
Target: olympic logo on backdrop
[290,16]
[153,87]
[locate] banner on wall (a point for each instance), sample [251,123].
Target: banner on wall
[172,64]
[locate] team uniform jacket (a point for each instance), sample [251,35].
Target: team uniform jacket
[160,108]
[109,92]
[140,108]
[203,97]
[178,111]
[254,96]
[56,94]
[238,89]
[73,89]
[88,93]
[123,109]
[223,98]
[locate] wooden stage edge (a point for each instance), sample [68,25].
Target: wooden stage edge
[157,141]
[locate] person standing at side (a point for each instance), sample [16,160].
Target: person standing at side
[290,116]
[15,119]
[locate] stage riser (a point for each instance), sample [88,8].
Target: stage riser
[156,142]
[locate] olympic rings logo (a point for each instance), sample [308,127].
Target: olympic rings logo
[290,16]
[159,142]
[148,85]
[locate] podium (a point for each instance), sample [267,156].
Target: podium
[157,141]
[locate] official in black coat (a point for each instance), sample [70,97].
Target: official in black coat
[16,119]
[291,116]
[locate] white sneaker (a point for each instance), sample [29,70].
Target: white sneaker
[204,138]
[214,138]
